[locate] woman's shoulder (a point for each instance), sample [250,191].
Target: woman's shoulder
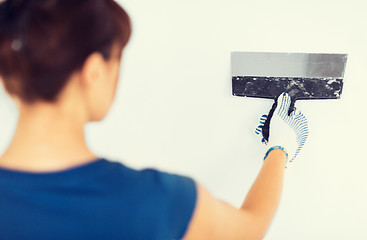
[170,197]
[149,176]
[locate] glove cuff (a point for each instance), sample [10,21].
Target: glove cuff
[276,147]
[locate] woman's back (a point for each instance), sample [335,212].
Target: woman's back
[99,200]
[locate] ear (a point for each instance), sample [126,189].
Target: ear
[4,88]
[2,82]
[93,70]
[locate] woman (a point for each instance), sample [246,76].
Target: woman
[59,61]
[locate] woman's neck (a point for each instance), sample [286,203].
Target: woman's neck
[47,138]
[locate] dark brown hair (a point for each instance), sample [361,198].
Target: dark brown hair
[42,42]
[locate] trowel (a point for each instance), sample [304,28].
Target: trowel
[304,76]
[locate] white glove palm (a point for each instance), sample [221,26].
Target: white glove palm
[288,132]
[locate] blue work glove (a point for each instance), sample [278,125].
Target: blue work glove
[287,132]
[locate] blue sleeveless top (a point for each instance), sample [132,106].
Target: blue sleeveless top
[101,199]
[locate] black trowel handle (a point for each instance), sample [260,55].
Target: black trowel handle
[265,129]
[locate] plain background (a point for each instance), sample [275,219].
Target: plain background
[174,110]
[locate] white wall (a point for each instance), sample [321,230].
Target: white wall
[174,109]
